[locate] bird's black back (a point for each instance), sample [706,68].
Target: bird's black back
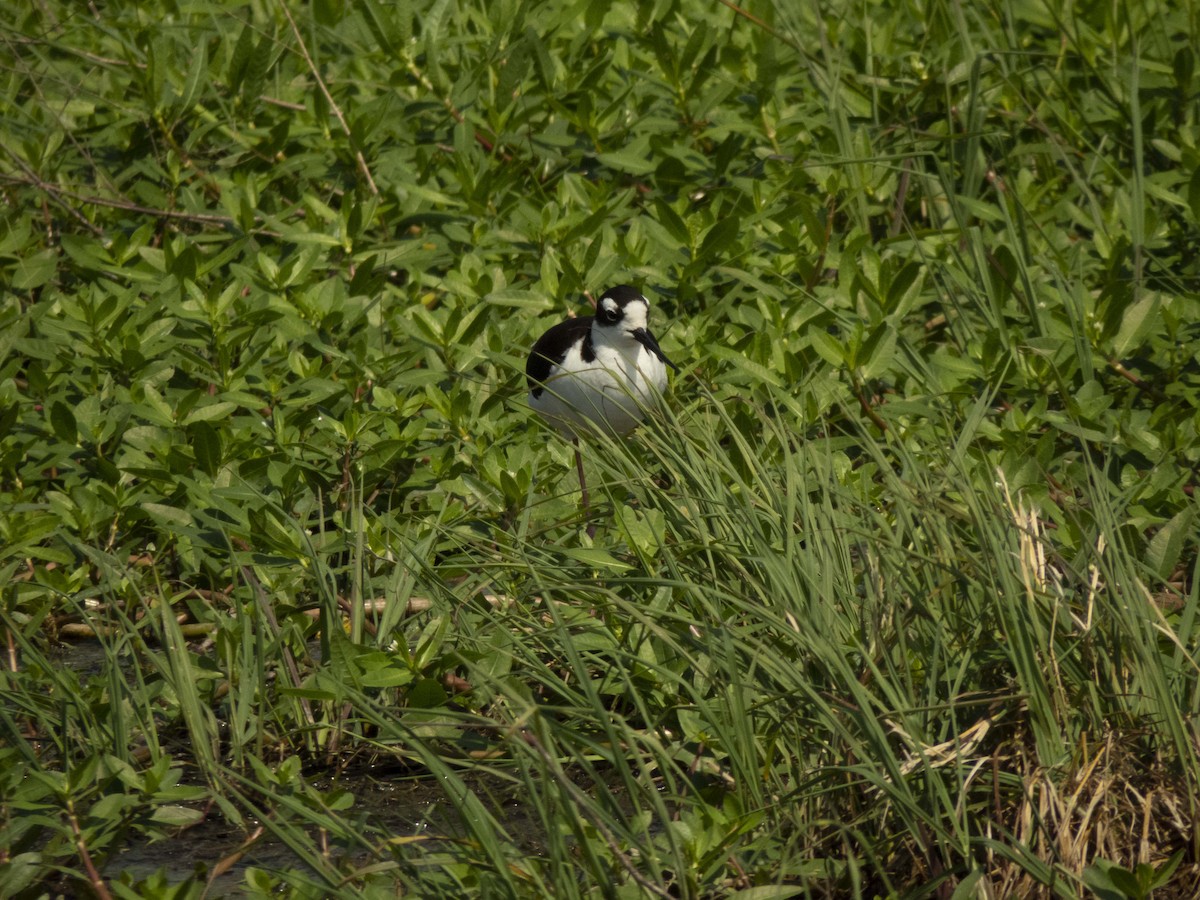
[551,349]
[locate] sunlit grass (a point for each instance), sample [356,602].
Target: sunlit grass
[896,597]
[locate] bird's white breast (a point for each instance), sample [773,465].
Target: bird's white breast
[612,391]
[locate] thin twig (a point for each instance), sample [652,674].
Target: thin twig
[761,24]
[31,177]
[1133,379]
[58,194]
[312,67]
[228,861]
[867,408]
[99,888]
[455,114]
[285,104]
[10,647]
[24,40]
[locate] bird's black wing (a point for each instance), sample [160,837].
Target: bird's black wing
[551,349]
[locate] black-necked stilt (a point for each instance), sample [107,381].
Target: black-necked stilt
[598,372]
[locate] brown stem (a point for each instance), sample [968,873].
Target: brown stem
[750,17]
[901,196]
[867,408]
[94,878]
[1141,385]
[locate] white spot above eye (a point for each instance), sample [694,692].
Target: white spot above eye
[610,305]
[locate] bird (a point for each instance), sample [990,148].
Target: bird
[598,373]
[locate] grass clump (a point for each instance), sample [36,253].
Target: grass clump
[897,598]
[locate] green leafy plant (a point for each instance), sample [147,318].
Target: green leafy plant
[897,597]
[1107,879]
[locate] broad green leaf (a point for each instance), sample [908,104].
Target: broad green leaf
[177,816]
[827,346]
[62,420]
[213,411]
[597,558]
[1139,319]
[720,237]
[631,161]
[1167,544]
[206,445]
[757,373]
[389,677]
[875,355]
[35,271]
[196,75]
[169,515]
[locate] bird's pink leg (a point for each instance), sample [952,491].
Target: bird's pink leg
[591,529]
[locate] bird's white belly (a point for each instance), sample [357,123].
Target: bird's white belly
[613,391]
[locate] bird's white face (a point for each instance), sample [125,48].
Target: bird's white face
[612,317]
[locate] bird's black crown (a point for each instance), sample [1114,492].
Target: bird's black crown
[611,306]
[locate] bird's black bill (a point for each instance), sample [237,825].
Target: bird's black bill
[646,339]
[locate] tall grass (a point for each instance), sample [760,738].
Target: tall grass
[896,597]
[894,672]
[804,657]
